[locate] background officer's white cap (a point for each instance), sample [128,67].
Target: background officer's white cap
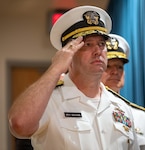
[80,21]
[117,47]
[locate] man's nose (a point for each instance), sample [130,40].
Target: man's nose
[97,50]
[114,70]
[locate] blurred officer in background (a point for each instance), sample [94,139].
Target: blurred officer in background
[114,77]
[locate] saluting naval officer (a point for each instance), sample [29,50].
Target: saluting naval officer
[80,114]
[114,76]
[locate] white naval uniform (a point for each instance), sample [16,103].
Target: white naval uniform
[139,123]
[139,119]
[95,130]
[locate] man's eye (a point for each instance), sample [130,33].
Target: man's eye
[102,44]
[121,67]
[87,44]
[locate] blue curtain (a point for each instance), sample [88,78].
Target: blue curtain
[128,18]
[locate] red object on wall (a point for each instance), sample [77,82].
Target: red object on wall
[56,14]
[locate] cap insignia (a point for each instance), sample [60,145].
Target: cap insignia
[112,44]
[91,17]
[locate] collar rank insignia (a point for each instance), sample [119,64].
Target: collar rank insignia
[119,116]
[60,83]
[61,80]
[112,44]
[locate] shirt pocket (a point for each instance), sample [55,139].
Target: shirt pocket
[75,125]
[123,129]
[76,132]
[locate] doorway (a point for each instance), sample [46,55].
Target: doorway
[21,76]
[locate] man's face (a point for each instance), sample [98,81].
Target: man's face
[113,77]
[92,57]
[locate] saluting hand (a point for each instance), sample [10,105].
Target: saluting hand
[63,57]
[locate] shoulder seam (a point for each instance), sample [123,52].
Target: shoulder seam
[124,99]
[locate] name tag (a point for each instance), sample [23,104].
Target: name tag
[72,114]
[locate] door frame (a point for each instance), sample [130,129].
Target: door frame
[9,65]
